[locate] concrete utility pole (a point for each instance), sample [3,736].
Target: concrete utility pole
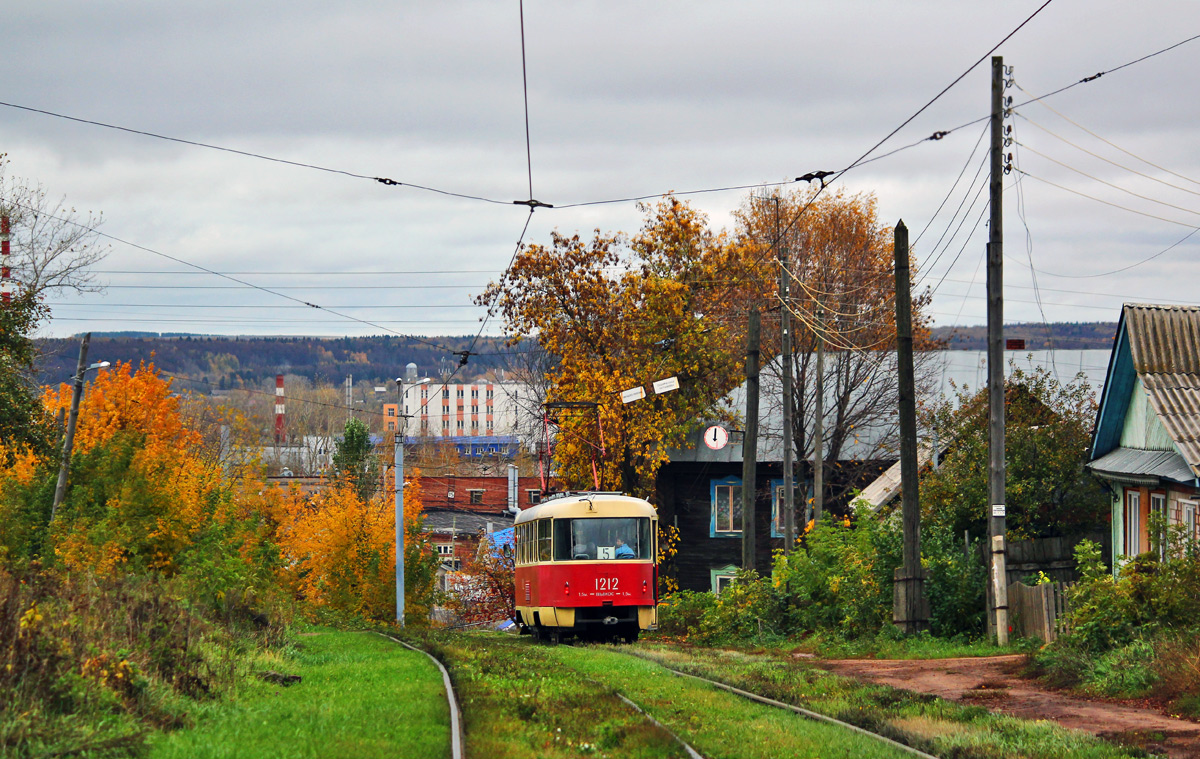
[785,355]
[750,443]
[995,323]
[398,440]
[910,612]
[60,490]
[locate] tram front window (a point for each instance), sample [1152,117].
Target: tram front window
[586,539]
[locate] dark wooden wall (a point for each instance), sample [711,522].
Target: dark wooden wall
[683,498]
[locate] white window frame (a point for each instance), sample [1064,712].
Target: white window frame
[721,582]
[475,495]
[1189,511]
[1158,505]
[1133,522]
[445,549]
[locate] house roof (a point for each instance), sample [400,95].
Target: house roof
[941,373]
[887,486]
[1160,345]
[447,521]
[1143,467]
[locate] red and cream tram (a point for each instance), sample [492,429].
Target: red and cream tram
[585,567]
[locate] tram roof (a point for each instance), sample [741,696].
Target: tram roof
[588,505]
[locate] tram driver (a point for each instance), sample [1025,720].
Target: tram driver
[623,551]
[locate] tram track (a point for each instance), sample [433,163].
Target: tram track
[807,713]
[456,728]
[457,736]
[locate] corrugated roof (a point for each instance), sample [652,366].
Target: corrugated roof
[1164,342]
[1136,463]
[887,485]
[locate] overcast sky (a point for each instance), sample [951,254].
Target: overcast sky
[625,99]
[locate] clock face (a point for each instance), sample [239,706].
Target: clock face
[716,437]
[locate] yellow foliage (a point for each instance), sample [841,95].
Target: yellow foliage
[621,312]
[339,550]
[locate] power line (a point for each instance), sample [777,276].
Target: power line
[961,173]
[243,282]
[1105,202]
[300,164]
[1082,173]
[1110,161]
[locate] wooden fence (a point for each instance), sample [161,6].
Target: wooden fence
[1038,611]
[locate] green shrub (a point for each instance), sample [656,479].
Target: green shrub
[681,613]
[748,610]
[1126,671]
[841,580]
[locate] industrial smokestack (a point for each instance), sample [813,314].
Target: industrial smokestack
[5,262]
[280,431]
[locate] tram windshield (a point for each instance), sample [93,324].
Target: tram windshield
[606,538]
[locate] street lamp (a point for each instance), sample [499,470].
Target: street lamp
[401,419]
[60,490]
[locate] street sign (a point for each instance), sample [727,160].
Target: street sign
[716,437]
[633,394]
[666,385]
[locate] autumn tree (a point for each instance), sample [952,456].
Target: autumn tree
[484,591]
[354,459]
[24,423]
[339,550]
[842,295]
[615,312]
[1047,438]
[53,245]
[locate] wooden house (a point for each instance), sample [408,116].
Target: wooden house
[1146,444]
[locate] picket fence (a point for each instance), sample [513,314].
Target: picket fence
[1039,611]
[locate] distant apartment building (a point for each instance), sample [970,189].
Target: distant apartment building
[478,409]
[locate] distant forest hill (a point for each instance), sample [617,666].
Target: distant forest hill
[1037,336]
[208,363]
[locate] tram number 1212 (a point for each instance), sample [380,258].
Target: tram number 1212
[606,583]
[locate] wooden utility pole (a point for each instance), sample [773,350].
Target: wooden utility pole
[785,321]
[60,490]
[995,323]
[909,611]
[818,494]
[750,443]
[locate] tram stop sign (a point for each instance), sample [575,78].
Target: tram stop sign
[716,437]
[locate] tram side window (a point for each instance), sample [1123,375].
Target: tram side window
[543,540]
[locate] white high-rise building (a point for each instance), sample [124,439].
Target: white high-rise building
[480,408]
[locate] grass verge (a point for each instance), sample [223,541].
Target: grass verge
[524,700]
[361,696]
[925,722]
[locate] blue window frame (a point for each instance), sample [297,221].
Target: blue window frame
[726,498]
[777,511]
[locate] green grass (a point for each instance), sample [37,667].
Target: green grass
[889,646]
[933,725]
[525,700]
[361,696]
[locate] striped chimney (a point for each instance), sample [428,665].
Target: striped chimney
[280,433]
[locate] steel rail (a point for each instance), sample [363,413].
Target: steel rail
[817,716]
[692,753]
[456,735]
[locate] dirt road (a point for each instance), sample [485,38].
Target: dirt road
[993,682]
